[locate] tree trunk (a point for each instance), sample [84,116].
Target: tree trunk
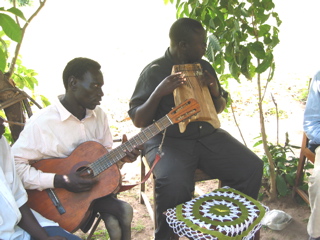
[14,112]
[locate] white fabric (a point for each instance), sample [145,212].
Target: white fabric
[12,197]
[54,132]
[314,198]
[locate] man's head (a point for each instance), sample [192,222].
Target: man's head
[188,38]
[77,68]
[83,82]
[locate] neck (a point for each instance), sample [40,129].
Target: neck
[75,109]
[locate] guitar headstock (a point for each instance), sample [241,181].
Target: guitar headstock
[184,110]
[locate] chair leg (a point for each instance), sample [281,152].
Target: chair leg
[257,235]
[154,203]
[299,176]
[94,227]
[143,198]
[142,185]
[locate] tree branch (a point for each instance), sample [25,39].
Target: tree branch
[16,53]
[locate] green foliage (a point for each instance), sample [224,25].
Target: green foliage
[10,32]
[139,227]
[9,29]
[24,77]
[101,234]
[285,164]
[240,32]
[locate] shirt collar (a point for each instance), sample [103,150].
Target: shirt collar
[65,114]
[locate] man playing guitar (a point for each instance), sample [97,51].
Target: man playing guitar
[55,132]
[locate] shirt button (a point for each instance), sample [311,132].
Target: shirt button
[200,127]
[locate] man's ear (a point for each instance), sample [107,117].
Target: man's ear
[182,45]
[72,82]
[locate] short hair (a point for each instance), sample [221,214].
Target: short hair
[77,67]
[183,29]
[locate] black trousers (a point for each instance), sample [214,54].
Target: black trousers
[219,154]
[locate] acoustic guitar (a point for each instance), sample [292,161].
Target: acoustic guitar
[71,209]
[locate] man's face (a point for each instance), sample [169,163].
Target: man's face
[1,127]
[88,93]
[196,46]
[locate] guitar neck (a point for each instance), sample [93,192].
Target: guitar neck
[118,153]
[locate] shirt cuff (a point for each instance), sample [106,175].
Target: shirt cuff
[47,180]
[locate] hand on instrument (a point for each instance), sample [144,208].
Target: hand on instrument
[170,83]
[212,83]
[75,182]
[131,156]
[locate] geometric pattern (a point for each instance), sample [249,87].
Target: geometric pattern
[224,214]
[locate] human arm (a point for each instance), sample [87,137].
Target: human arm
[29,223]
[145,113]
[215,91]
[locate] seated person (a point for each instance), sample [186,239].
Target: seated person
[17,220]
[55,131]
[311,126]
[201,145]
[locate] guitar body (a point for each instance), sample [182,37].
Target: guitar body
[78,206]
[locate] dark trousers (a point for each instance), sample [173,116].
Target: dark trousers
[219,154]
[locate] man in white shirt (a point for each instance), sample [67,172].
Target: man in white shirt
[17,221]
[57,130]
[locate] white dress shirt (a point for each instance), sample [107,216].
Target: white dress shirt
[54,132]
[12,197]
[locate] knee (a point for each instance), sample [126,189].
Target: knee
[127,213]
[111,222]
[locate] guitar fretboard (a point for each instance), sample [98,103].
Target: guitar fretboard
[119,152]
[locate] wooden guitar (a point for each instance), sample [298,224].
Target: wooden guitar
[71,209]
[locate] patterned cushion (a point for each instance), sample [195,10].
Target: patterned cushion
[224,214]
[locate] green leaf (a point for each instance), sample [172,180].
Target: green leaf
[10,27]
[45,101]
[266,63]
[263,30]
[213,42]
[257,49]
[234,69]
[3,61]
[276,16]
[281,186]
[17,12]
[258,143]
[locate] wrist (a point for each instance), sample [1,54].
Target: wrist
[59,181]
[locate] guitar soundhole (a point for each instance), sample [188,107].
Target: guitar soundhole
[85,171]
